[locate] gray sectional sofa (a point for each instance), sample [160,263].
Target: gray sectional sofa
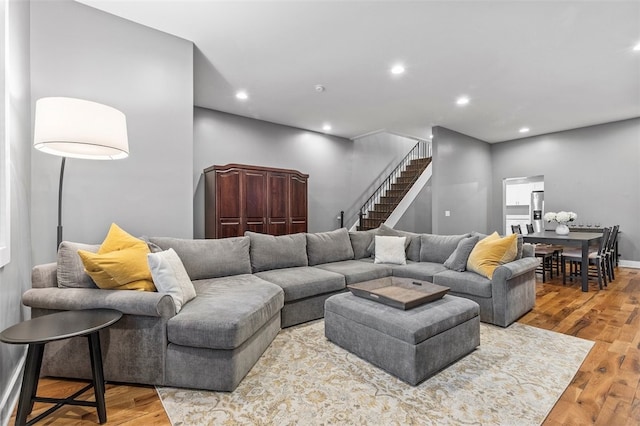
[247,289]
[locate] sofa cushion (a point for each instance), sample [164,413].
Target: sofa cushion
[326,247]
[390,250]
[169,276]
[423,271]
[492,252]
[271,252]
[356,271]
[438,248]
[464,282]
[458,259]
[204,259]
[304,281]
[70,272]
[226,312]
[362,243]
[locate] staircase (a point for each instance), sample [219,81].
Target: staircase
[380,205]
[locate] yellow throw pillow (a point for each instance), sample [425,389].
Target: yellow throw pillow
[120,263]
[492,252]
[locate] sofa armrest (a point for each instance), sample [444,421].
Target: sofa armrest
[129,302]
[513,290]
[513,269]
[45,275]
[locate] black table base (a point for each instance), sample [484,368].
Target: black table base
[32,374]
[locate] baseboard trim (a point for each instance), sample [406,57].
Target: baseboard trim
[10,396]
[630,264]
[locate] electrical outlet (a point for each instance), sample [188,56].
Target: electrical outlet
[447,213]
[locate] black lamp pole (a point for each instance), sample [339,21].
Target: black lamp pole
[60,204]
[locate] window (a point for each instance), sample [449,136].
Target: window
[5,188]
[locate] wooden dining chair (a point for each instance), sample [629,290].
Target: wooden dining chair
[611,251]
[548,254]
[597,260]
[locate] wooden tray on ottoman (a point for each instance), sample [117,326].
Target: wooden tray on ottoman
[401,293]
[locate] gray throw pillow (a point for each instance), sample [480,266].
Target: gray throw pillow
[362,243]
[270,252]
[70,271]
[520,243]
[326,247]
[438,248]
[479,234]
[458,259]
[210,258]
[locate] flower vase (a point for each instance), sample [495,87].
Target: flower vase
[562,229]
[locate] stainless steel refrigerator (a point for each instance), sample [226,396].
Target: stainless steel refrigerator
[536,210]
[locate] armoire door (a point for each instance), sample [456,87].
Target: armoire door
[277,213]
[228,204]
[255,201]
[298,204]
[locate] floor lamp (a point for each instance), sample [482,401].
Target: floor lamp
[77,128]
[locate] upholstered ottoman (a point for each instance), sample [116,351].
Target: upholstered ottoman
[412,344]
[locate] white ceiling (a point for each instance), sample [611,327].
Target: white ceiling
[546,65]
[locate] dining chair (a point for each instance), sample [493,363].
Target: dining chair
[596,258]
[549,255]
[542,252]
[611,252]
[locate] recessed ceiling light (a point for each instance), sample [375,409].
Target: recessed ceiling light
[524,130]
[637,47]
[462,100]
[326,127]
[242,95]
[397,69]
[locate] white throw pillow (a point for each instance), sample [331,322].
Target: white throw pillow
[169,276]
[390,250]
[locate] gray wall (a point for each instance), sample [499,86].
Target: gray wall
[461,182]
[418,217]
[15,276]
[593,171]
[221,138]
[374,158]
[342,173]
[78,51]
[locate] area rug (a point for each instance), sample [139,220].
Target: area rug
[514,378]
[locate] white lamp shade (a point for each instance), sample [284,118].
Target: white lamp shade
[76,128]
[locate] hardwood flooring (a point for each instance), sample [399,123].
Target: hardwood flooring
[605,391]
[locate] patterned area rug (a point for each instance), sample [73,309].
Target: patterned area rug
[514,378]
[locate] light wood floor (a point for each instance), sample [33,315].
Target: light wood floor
[605,391]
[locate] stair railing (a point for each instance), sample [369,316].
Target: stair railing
[420,150]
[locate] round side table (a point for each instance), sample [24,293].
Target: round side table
[62,325]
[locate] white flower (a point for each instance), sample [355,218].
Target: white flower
[560,217]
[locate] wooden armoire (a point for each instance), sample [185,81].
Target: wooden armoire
[241,198]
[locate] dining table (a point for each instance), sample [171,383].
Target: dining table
[579,239]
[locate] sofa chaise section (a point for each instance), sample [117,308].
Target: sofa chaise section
[218,336]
